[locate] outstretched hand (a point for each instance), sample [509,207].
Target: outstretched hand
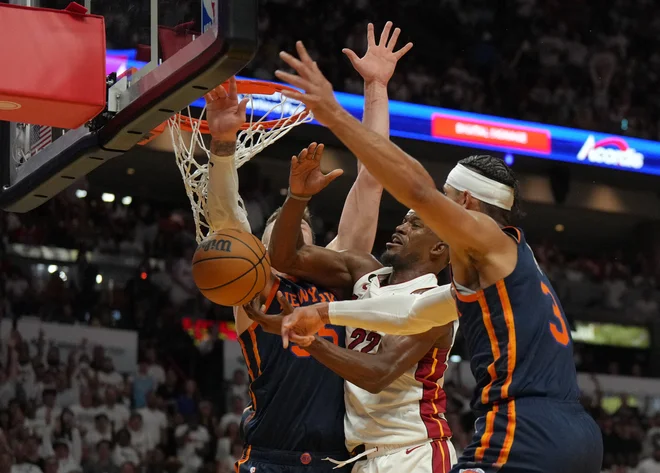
[224,113]
[379,62]
[306,178]
[298,325]
[319,96]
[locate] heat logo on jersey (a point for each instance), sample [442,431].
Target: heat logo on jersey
[612,151]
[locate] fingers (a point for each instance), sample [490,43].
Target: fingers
[385,34]
[294,80]
[295,95]
[284,303]
[287,323]
[395,37]
[351,55]
[233,90]
[371,38]
[402,52]
[332,175]
[242,107]
[294,62]
[302,340]
[216,94]
[303,54]
[318,152]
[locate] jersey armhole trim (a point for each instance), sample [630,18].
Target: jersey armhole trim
[517,237]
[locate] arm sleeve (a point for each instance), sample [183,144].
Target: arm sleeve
[224,207]
[404,314]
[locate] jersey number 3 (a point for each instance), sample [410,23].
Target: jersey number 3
[558,329]
[325,332]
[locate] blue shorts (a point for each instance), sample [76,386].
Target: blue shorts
[261,460]
[534,435]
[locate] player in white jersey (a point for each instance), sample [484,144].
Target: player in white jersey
[394,399]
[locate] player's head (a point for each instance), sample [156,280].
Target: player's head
[414,245]
[305,227]
[486,184]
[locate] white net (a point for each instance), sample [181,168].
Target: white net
[250,142]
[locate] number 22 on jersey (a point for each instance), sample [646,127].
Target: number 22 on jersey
[558,328]
[326,333]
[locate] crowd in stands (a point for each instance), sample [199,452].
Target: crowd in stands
[592,64]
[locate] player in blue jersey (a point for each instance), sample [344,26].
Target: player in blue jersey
[529,417]
[296,415]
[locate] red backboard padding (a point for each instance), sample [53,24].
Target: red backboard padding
[53,66]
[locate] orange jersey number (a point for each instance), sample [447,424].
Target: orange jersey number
[560,332]
[325,332]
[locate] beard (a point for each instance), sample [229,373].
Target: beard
[398,261]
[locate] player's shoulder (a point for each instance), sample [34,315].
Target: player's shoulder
[362,283]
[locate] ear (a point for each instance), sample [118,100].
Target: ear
[470,202]
[439,250]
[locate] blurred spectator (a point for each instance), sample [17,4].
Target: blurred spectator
[155,420]
[187,402]
[124,452]
[102,462]
[192,440]
[235,415]
[100,431]
[143,383]
[116,412]
[651,464]
[141,441]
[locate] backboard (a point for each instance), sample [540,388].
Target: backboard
[162,55]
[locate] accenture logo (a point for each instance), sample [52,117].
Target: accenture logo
[612,151]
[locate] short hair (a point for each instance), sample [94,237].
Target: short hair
[495,169]
[307,217]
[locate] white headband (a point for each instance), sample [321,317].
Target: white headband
[481,187]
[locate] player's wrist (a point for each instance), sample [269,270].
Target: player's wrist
[223,144]
[323,310]
[298,196]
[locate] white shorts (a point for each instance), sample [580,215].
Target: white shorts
[432,457]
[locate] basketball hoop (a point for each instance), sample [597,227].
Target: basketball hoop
[271,116]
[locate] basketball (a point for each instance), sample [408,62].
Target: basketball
[231,267]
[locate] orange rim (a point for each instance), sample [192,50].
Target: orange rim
[244,86]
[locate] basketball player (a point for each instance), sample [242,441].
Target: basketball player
[521,350]
[394,399]
[296,415]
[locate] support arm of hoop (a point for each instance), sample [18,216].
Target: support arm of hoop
[224,205]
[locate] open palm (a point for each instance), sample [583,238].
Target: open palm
[224,113]
[379,62]
[306,177]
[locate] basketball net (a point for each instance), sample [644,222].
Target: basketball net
[256,135]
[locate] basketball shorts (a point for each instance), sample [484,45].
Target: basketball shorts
[261,460]
[437,456]
[534,435]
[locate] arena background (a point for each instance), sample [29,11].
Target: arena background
[566,92]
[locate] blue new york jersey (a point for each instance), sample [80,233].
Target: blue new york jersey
[298,403]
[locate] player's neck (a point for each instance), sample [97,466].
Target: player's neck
[401,275]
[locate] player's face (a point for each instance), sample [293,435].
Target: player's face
[412,242]
[307,232]
[453,194]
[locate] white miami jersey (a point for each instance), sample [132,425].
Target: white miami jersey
[412,408]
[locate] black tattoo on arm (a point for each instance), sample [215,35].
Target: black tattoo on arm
[223,148]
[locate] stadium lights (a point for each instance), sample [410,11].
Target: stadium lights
[99,279]
[81,193]
[559,228]
[455,358]
[107,197]
[127,200]
[52,268]
[62,276]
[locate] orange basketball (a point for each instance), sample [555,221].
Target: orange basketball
[230,267]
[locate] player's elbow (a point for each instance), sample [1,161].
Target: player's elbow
[380,378]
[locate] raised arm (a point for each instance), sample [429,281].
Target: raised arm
[290,255]
[225,116]
[374,372]
[359,218]
[469,233]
